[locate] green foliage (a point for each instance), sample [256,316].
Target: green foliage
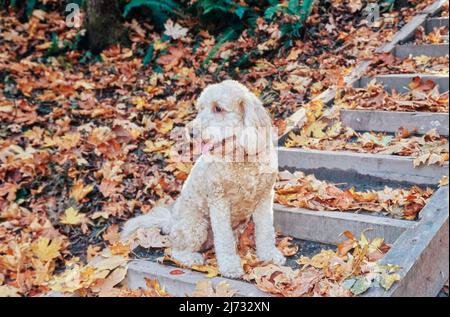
[302,11]
[28,6]
[31,4]
[387,5]
[54,48]
[160,9]
[149,55]
[221,6]
[58,48]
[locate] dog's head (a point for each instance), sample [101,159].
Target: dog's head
[229,110]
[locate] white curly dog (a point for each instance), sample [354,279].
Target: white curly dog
[224,189]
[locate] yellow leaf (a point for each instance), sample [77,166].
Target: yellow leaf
[45,249]
[315,130]
[72,217]
[157,146]
[334,130]
[8,291]
[387,280]
[422,59]
[159,46]
[319,261]
[443,181]
[99,214]
[210,271]
[79,191]
[139,102]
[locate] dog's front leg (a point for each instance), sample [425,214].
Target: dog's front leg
[224,241]
[265,232]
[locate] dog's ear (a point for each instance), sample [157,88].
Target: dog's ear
[254,114]
[257,124]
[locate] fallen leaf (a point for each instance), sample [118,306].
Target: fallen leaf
[72,217]
[46,249]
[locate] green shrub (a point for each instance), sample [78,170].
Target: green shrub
[301,11]
[160,9]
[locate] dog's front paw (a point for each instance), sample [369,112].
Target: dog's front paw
[231,267]
[273,255]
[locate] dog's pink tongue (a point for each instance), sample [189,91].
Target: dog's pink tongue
[205,147]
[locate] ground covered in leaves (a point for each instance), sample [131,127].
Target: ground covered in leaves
[84,142]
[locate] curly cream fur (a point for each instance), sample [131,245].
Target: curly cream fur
[219,195]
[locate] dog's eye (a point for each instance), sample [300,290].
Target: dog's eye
[217,109]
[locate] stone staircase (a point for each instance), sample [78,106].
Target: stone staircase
[420,247]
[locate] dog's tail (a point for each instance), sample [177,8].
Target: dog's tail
[158,217]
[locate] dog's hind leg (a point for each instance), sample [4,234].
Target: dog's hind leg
[187,238]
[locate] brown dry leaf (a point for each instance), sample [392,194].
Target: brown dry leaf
[286,247]
[112,234]
[114,278]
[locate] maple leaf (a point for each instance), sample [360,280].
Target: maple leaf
[119,248]
[72,217]
[204,288]
[109,188]
[173,58]
[46,249]
[318,261]
[174,30]
[315,130]
[79,190]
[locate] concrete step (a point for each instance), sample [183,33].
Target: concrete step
[326,226]
[433,23]
[341,165]
[184,284]
[400,82]
[433,50]
[391,121]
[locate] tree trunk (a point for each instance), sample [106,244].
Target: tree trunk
[104,25]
